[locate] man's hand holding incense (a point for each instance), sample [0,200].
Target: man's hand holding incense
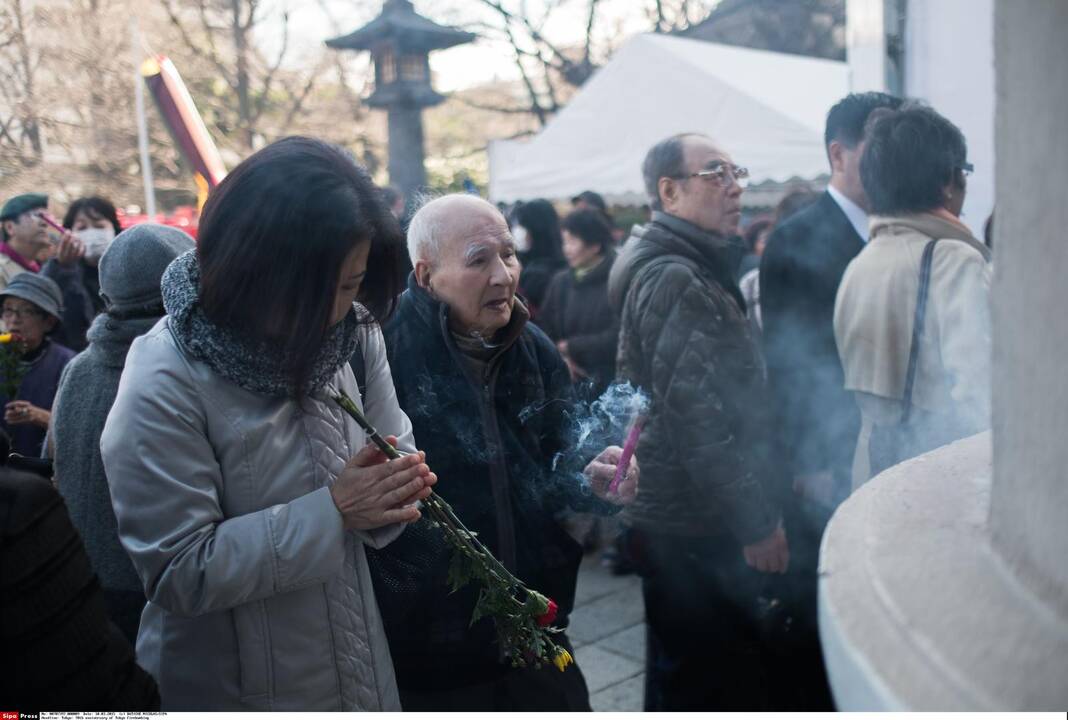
[373,491]
[602,470]
[770,555]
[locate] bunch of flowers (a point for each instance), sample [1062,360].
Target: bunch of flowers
[522,617]
[12,369]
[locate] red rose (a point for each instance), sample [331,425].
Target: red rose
[547,617]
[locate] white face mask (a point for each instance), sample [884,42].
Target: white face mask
[522,240]
[96,241]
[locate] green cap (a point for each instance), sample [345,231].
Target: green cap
[21,203]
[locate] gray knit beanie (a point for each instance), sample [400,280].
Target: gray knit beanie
[131,269]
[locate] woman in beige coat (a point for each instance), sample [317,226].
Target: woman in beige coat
[914,172]
[244,495]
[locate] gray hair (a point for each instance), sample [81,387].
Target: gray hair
[665,159]
[426,231]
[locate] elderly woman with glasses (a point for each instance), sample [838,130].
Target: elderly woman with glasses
[31,362]
[912,316]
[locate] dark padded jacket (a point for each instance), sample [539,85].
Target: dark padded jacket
[705,452]
[576,309]
[499,446]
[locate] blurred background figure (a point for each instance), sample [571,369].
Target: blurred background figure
[93,224]
[756,239]
[576,314]
[589,200]
[32,307]
[60,651]
[912,319]
[24,234]
[536,230]
[394,200]
[755,236]
[130,273]
[398,207]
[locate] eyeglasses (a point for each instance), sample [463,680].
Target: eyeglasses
[723,174]
[20,313]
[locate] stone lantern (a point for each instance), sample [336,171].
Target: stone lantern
[400,42]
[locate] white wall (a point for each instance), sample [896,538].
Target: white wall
[865,45]
[949,63]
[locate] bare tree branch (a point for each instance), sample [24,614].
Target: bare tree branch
[187,39]
[269,77]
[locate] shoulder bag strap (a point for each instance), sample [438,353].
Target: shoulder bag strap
[917,328]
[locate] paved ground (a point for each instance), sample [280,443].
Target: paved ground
[608,631]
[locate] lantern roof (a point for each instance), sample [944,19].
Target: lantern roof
[399,23]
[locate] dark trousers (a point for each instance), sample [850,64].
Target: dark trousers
[519,689]
[702,607]
[794,654]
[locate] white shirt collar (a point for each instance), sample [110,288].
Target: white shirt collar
[855,213]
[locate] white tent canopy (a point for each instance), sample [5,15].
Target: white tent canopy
[766,109]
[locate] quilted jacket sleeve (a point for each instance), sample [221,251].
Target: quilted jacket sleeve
[385,414]
[698,396]
[165,487]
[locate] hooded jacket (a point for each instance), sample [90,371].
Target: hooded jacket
[684,339]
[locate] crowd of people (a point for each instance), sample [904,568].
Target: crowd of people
[170,424]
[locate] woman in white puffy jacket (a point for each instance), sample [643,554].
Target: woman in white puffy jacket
[243,494]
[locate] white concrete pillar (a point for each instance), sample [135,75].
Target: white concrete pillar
[1030,496]
[943,581]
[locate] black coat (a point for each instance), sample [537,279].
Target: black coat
[577,310]
[61,653]
[686,341]
[535,278]
[817,420]
[494,446]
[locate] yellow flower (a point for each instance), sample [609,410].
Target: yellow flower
[562,659]
[5,338]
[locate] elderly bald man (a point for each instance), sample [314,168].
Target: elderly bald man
[488,396]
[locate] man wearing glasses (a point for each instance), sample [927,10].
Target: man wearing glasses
[706,523]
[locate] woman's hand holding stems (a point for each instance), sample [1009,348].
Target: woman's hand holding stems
[373,491]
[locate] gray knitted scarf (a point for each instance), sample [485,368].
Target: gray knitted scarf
[251,363]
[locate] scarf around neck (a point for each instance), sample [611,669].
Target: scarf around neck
[253,364]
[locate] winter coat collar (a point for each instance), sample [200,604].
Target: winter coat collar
[435,314]
[930,224]
[669,235]
[598,274]
[253,364]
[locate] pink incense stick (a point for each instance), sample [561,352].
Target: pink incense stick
[51,221]
[628,452]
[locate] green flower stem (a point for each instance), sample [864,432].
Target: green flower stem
[464,539]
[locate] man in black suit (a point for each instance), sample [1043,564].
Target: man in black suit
[816,419]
